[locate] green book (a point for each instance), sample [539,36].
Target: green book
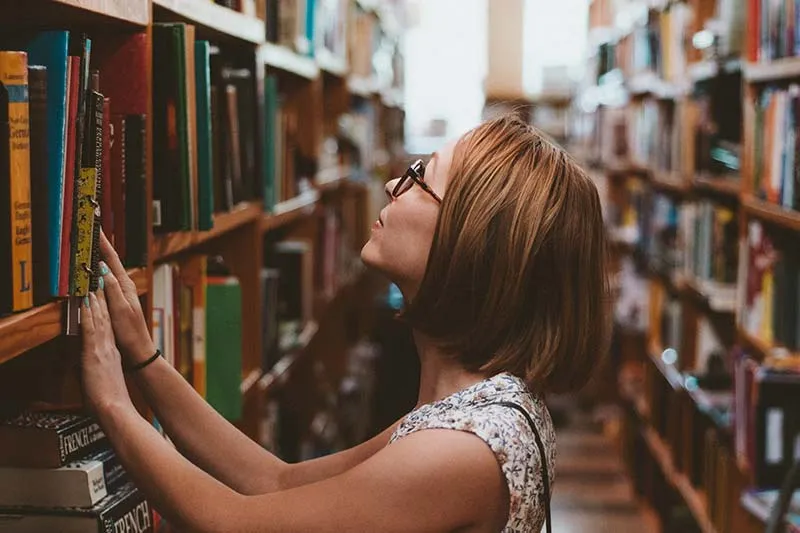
[224,346]
[205,162]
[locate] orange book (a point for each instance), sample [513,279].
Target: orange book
[15,184]
[193,275]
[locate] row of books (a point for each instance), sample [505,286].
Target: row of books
[766,419]
[657,45]
[770,273]
[72,158]
[58,473]
[309,27]
[710,236]
[776,148]
[773,29]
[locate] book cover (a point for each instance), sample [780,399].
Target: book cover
[50,49]
[124,510]
[224,346]
[269,171]
[16,291]
[191,194]
[40,183]
[81,483]
[164,308]
[48,440]
[122,60]
[193,277]
[205,150]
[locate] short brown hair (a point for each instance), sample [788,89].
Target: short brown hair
[516,277]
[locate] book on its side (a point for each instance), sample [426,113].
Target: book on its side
[124,510]
[48,439]
[16,292]
[81,483]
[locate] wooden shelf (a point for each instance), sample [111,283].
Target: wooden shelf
[132,11]
[360,86]
[781,69]
[332,65]
[649,83]
[393,99]
[694,499]
[773,213]
[289,211]
[705,70]
[176,243]
[627,168]
[763,349]
[671,374]
[216,19]
[670,183]
[716,302]
[286,60]
[27,330]
[723,186]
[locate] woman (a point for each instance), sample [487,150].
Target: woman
[497,245]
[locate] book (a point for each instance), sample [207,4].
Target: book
[88,186]
[48,439]
[81,483]
[124,510]
[107,205]
[136,228]
[193,278]
[50,50]
[69,176]
[117,185]
[40,183]
[16,291]
[205,150]
[760,503]
[164,310]
[224,346]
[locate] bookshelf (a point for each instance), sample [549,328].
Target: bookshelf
[316,197]
[702,211]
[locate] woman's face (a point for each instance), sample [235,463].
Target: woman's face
[401,238]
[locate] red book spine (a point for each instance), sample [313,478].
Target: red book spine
[753,29]
[69,176]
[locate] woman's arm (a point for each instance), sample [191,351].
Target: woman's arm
[435,480]
[202,434]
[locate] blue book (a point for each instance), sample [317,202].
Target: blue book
[50,49]
[310,30]
[269,160]
[205,162]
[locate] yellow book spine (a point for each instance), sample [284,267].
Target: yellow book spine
[85,224]
[14,77]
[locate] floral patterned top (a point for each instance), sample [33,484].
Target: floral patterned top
[506,432]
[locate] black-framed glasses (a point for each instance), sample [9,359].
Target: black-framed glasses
[414,174]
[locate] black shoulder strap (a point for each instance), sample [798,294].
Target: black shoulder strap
[542,455]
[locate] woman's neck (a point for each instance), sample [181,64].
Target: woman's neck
[440,374]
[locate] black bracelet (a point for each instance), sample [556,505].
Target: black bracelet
[139,366]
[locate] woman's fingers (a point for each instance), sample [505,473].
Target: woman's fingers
[110,256]
[111,285]
[87,321]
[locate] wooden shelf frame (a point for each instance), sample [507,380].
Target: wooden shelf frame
[286,60]
[214,18]
[172,244]
[695,499]
[725,187]
[131,11]
[775,214]
[778,70]
[290,211]
[24,331]
[670,183]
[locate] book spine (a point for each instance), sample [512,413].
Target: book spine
[87,207]
[84,54]
[106,202]
[117,184]
[65,246]
[99,148]
[205,163]
[40,186]
[135,186]
[130,513]
[15,176]
[79,441]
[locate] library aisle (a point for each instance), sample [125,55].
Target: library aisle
[593,491]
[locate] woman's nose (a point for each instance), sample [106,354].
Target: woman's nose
[389,187]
